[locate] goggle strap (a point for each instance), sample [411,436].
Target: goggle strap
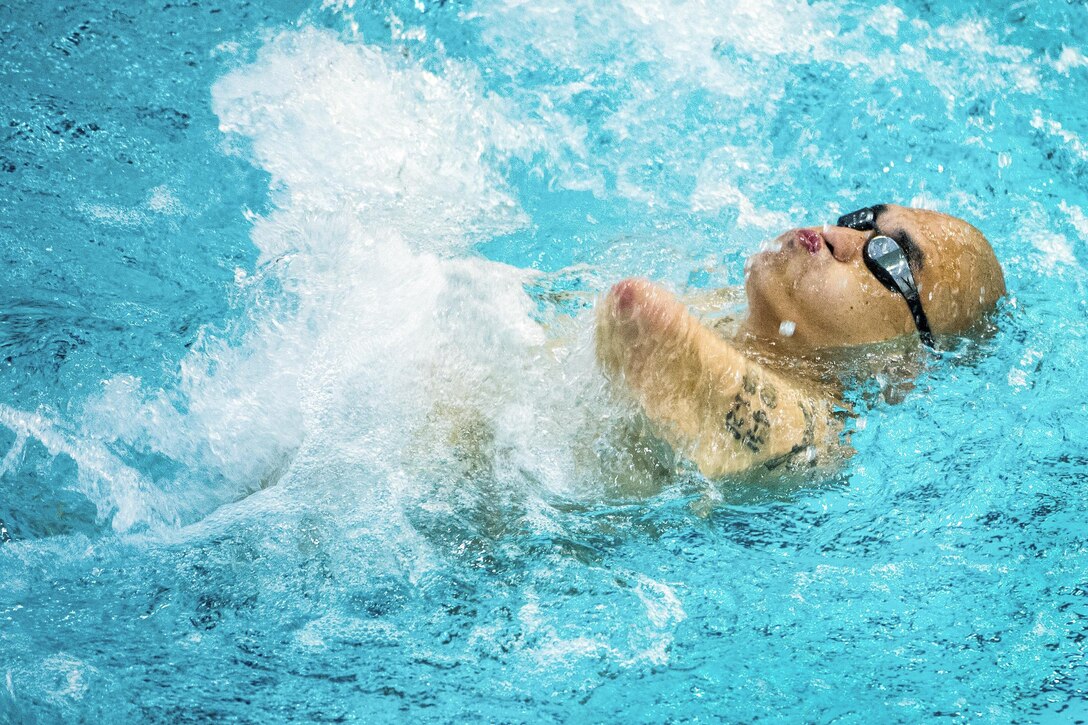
[920,320]
[862,220]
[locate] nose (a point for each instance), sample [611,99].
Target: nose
[845,243]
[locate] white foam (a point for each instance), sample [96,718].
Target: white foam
[1069,59]
[741,55]
[162,200]
[1076,217]
[118,491]
[66,676]
[1071,140]
[1054,251]
[364,315]
[663,607]
[109,214]
[351,127]
[1055,248]
[717,187]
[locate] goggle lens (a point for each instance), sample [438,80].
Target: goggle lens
[888,263]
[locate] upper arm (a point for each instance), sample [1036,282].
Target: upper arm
[723,410]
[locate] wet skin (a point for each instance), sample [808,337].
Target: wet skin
[819,281]
[727,412]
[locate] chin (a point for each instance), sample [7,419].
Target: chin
[759,273]
[765,318]
[775,317]
[762,262]
[764,287]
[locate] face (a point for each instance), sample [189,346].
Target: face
[819,282]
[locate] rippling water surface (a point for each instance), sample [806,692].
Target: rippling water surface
[298,411]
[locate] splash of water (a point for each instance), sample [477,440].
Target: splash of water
[376,352]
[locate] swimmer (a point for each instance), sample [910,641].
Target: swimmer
[737,404]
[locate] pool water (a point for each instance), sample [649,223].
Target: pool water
[299,418]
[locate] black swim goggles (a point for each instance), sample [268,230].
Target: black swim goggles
[887,260]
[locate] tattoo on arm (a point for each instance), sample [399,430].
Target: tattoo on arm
[768,395]
[749,383]
[747,424]
[809,438]
[750,427]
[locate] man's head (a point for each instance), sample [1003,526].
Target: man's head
[820,283]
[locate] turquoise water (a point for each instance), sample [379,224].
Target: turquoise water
[262,264]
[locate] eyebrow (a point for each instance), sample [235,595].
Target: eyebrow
[915,256]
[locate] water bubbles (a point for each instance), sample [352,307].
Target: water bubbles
[786,328]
